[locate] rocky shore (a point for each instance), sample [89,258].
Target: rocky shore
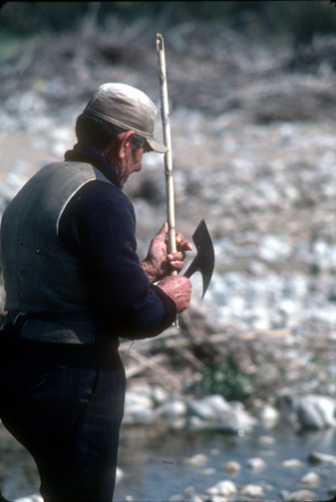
[254,155]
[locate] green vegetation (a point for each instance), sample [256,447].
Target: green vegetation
[10,45]
[300,19]
[226,379]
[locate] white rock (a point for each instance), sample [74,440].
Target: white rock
[159,394]
[140,389]
[173,408]
[139,416]
[197,460]
[136,400]
[311,479]
[321,458]
[273,248]
[298,496]
[256,463]
[252,490]
[232,467]
[224,488]
[269,416]
[138,409]
[291,463]
[316,412]
[210,407]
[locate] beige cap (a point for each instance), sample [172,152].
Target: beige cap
[126,107]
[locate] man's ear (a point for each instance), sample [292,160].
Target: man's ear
[125,142]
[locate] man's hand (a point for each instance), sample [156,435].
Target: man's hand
[159,263]
[179,289]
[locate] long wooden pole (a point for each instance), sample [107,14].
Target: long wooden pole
[168,158]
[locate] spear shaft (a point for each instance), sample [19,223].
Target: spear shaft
[168,158]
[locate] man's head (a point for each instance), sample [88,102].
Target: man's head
[129,109]
[119,122]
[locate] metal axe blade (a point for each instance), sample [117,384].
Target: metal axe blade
[204,260]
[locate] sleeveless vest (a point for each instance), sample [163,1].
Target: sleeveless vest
[40,274]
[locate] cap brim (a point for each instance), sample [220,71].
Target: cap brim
[156,145]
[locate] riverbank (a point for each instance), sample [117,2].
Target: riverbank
[253,128]
[255,158]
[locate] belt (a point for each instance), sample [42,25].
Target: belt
[56,327]
[21,317]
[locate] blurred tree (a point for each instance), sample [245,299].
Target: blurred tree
[301,20]
[24,18]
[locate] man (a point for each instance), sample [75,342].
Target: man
[74,284]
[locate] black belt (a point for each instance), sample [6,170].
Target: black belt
[21,317]
[56,327]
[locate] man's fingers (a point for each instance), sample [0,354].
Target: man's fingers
[163,229]
[178,256]
[182,243]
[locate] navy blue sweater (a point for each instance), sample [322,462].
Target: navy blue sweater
[98,226]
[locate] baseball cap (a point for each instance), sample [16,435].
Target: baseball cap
[127,107]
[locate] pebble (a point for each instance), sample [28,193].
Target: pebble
[269,416]
[311,411]
[197,460]
[252,490]
[173,408]
[138,409]
[298,496]
[291,463]
[137,400]
[316,457]
[256,463]
[316,412]
[311,479]
[224,488]
[159,395]
[232,467]
[211,408]
[139,416]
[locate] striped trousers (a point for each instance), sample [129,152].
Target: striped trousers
[64,404]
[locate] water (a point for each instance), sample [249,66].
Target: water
[154,467]
[155,470]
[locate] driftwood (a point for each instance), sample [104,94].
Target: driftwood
[138,364]
[273,362]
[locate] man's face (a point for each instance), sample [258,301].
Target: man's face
[129,164]
[125,159]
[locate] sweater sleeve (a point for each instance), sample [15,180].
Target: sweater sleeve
[98,226]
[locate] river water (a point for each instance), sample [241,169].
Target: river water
[154,467]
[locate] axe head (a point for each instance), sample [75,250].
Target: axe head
[204,260]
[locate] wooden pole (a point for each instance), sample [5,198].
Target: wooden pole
[168,158]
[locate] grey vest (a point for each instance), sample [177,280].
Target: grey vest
[40,274]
